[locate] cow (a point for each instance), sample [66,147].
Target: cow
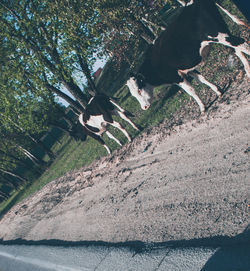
[98,115]
[180,48]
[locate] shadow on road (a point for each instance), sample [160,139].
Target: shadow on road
[236,257]
[139,246]
[229,258]
[205,254]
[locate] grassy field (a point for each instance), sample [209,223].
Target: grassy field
[72,155]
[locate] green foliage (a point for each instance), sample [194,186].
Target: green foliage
[122,25]
[39,47]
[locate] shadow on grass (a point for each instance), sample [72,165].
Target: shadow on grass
[62,149]
[166,94]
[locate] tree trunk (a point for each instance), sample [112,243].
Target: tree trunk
[13,175]
[64,96]
[10,179]
[74,111]
[16,159]
[35,160]
[68,121]
[43,147]
[37,141]
[60,73]
[144,31]
[8,182]
[68,83]
[85,68]
[75,91]
[4,195]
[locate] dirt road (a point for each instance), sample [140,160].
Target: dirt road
[174,182]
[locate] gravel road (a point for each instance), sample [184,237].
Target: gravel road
[183,180]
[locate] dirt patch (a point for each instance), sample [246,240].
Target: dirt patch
[187,178]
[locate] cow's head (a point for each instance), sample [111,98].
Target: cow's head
[142,91]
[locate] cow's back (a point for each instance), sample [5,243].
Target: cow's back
[99,105]
[179,45]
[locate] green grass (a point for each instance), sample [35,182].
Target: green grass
[72,155]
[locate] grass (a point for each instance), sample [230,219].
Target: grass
[72,155]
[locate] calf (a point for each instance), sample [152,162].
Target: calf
[180,48]
[98,115]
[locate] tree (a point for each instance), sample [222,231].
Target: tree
[36,46]
[21,113]
[126,23]
[78,36]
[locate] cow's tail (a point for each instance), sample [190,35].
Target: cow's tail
[233,18]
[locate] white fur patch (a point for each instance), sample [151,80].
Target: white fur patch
[203,80]
[185,85]
[239,50]
[183,3]
[95,121]
[143,96]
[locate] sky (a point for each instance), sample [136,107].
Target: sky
[98,64]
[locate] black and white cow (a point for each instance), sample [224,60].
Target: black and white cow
[180,48]
[98,115]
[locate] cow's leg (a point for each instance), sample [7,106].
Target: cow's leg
[185,3]
[96,137]
[238,45]
[121,109]
[122,113]
[233,17]
[107,148]
[100,140]
[185,85]
[231,41]
[117,105]
[112,137]
[118,126]
[244,62]
[196,75]
[123,116]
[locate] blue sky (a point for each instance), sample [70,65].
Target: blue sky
[98,64]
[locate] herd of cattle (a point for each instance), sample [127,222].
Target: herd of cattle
[171,59]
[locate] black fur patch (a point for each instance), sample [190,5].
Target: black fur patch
[213,39]
[235,41]
[92,129]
